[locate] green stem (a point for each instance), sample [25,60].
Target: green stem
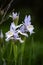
[31,51]
[10,50]
[22,50]
[15,52]
[15,62]
[21,59]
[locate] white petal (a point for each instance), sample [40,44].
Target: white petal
[19,26]
[21,41]
[32,32]
[7,39]
[25,34]
[30,28]
[9,34]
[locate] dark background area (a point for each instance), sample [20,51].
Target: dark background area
[36,7]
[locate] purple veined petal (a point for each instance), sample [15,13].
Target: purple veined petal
[27,20]
[12,26]
[14,15]
[16,35]
[22,29]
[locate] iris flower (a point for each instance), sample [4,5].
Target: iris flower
[23,28]
[13,34]
[14,16]
[13,27]
[8,35]
[26,27]
[27,20]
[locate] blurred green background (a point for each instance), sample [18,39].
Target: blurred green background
[33,52]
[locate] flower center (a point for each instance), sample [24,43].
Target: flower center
[30,26]
[10,33]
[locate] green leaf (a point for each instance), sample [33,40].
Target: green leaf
[15,51]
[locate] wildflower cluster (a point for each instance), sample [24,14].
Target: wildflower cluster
[22,29]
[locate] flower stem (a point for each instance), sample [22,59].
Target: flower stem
[15,61]
[22,50]
[15,52]
[21,59]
